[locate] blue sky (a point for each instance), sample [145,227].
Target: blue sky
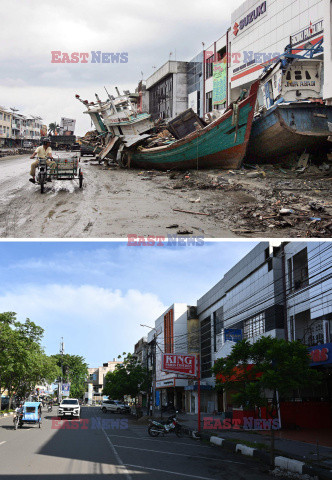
[96,294]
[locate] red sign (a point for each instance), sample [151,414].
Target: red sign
[319,355]
[185,364]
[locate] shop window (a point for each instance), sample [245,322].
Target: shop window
[300,270]
[254,326]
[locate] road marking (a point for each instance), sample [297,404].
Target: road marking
[177,454]
[1,443]
[120,462]
[167,471]
[163,441]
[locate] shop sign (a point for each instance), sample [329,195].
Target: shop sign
[165,383]
[307,33]
[321,354]
[233,335]
[185,364]
[248,19]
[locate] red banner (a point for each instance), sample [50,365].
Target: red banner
[184,364]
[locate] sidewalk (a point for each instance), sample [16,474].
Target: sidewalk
[301,445]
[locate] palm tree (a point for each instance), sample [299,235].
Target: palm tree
[53,128]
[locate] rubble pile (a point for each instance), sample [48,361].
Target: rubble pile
[164,137]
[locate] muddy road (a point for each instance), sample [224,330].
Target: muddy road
[269,201]
[112,203]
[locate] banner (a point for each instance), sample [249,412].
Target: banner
[65,389]
[67,125]
[184,364]
[219,82]
[232,334]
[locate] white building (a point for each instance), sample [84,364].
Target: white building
[260,31]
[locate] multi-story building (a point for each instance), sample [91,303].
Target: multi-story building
[283,290]
[167,89]
[176,331]
[248,303]
[96,377]
[5,127]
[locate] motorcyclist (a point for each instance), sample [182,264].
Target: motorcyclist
[44,151]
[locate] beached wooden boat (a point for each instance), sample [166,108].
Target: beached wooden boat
[290,128]
[222,143]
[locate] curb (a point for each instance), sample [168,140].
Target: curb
[283,463]
[7,415]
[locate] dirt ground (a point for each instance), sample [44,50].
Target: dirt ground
[264,202]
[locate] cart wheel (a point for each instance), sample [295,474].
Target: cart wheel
[39,424]
[81,179]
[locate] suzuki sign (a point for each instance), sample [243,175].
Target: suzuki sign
[184,364]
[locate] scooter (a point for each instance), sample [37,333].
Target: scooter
[171,425]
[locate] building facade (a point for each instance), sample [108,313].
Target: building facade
[5,127]
[167,89]
[96,378]
[260,32]
[176,331]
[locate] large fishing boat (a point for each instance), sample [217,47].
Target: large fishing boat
[293,117]
[222,143]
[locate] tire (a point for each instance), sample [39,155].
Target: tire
[152,433]
[42,186]
[104,410]
[39,424]
[16,423]
[179,431]
[81,180]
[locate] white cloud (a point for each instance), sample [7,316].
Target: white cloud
[98,323]
[147,30]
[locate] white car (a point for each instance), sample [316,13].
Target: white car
[69,407]
[114,406]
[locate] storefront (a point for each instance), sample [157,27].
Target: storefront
[261,31]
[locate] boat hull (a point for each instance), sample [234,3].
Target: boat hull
[291,128]
[220,144]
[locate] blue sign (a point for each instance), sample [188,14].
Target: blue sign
[321,354]
[157,398]
[233,335]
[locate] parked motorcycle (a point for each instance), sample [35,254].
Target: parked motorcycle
[49,408]
[171,425]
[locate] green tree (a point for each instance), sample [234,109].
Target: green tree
[53,127]
[254,370]
[129,378]
[74,371]
[23,363]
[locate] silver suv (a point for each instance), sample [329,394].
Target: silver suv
[114,406]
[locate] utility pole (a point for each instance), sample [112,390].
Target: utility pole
[61,378]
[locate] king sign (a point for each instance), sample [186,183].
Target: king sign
[185,364]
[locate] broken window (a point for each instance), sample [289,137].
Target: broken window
[307,75]
[298,75]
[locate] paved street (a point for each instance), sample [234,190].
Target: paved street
[113,203]
[125,453]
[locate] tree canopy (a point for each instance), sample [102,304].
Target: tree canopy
[255,370]
[128,378]
[75,371]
